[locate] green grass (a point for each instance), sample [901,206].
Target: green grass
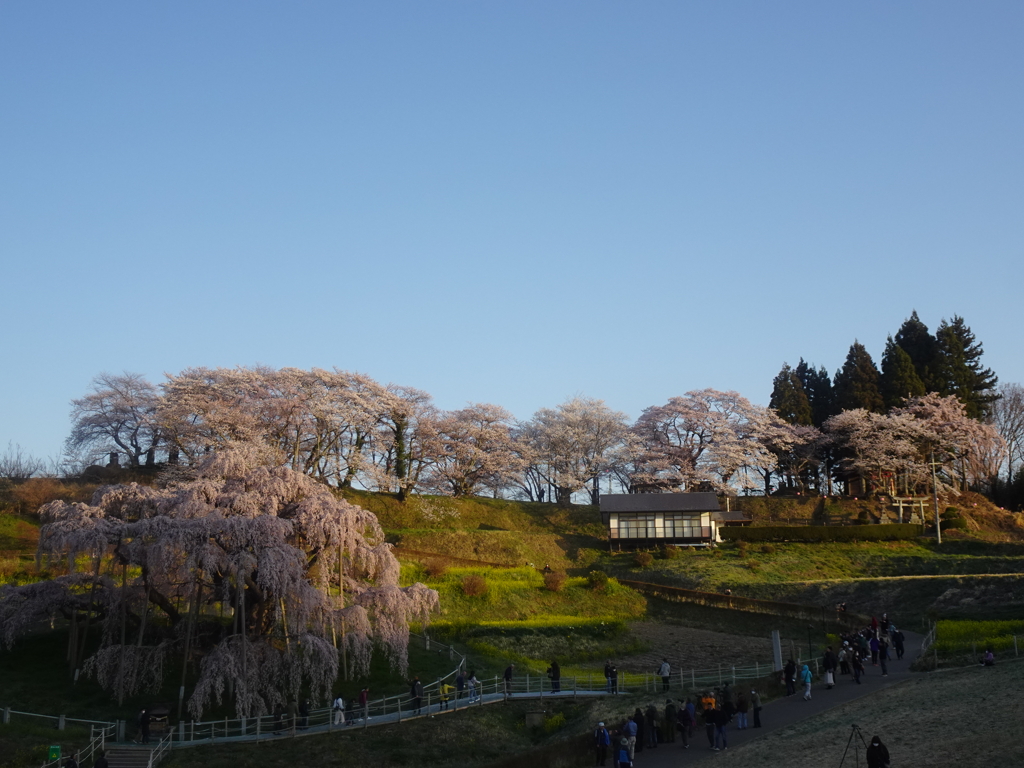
[977,636]
[18,533]
[25,741]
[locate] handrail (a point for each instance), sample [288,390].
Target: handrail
[97,740]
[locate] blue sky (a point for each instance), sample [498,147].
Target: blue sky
[500,202]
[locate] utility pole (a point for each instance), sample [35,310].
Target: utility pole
[935,501]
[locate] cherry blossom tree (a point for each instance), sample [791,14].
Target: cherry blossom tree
[300,576]
[118,414]
[574,444]
[475,449]
[705,436]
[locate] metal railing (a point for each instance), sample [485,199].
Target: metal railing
[98,737]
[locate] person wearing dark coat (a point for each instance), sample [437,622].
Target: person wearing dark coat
[790,674]
[555,675]
[668,730]
[877,754]
[651,725]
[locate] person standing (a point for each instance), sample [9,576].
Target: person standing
[364,702]
[460,686]
[710,720]
[844,658]
[630,731]
[446,694]
[755,703]
[101,761]
[805,678]
[144,720]
[625,759]
[685,724]
[692,709]
[665,671]
[416,694]
[742,706]
[72,761]
[615,679]
[638,718]
[507,678]
[877,754]
[338,707]
[471,685]
[858,668]
[602,740]
[668,727]
[883,656]
[829,665]
[721,719]
[608,676]
[873,644]
[651,719]
[790,674]
[293,715]
[897,643]
[555,675]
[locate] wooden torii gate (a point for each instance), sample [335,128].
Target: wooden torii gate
[911,503]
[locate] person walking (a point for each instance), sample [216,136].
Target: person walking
[873,645]
[143,721]
[338,708]
[805,678]
[755,704]
[883,656]
[877,754]
[101,761]
[710,721]
[72,761]
[858,668]
[608,676]
[446,694]
[460,686]
[790,674]
[685,725]
[691,708]
[897,643]
[665,671]
[602,740]
[471,685]
[641,732]
[293,715]
[844,658]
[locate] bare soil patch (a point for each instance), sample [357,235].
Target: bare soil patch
[689,648]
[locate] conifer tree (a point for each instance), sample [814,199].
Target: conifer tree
[899,381]
[789,399]
[913,337]
[817,385]
[960,370]
[856,383]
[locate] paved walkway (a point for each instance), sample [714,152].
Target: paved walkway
[786,711]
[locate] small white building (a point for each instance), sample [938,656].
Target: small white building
[652,519]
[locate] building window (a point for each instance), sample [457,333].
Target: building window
[679,526]
[636,527]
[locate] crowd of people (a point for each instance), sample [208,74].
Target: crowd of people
[678,720]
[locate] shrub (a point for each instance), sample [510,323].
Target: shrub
[554,581]
[435,568]
[554,723]
[597,581]
[753,565]
[474,585]
[586,557]
[668,552]
[741,546]
[644,559]
[891,532]
[768,549]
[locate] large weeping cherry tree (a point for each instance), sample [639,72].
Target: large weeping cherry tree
[302,584]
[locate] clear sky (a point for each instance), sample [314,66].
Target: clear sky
[500,202]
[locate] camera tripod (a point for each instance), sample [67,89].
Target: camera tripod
[855,732]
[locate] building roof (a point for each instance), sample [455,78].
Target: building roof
[730,516]
[659,502]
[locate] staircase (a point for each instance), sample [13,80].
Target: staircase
[129,756]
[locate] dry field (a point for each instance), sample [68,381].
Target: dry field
[963,718]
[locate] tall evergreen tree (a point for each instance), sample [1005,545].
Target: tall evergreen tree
[899,380]
[913,337]
[817,385]
[789,399]
[960,369]
[856,383]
